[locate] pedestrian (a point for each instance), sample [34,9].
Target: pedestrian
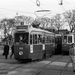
[12,51]
[6,50]
[72,55]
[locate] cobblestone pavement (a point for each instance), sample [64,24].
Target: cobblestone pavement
[13,67]
[44,67]
[53,68]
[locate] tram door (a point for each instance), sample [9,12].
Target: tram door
[58,42]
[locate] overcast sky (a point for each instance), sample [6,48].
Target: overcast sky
[9,8]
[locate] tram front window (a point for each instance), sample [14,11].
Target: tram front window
[69,39]
[21,38]
[65,39]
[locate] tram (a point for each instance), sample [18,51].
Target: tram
[67,40]
[33,43]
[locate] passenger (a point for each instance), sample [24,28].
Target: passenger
[65,41]
[21,39]
[39,41]
[72,55]
[6,50]
[12,52]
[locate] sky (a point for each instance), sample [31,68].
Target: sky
[9,8]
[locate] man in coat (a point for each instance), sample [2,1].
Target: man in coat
[6,50]
[72,55]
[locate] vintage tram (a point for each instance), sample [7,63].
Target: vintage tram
[67,40]
[33,43]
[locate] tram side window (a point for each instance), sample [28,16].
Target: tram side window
[46,39]
[49,39]
[31,42]
[43,39]
[53,40]
[39,39]
[69,39]
[34,38]
[65,39]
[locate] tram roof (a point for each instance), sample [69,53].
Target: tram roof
[70,33]
[38,30]
[58,35]
[32,29]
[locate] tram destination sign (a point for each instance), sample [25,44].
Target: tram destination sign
[22,27]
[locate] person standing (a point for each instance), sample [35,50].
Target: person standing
[6,50]
[72,55]
[12,51]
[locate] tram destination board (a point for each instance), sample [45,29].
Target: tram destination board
[22,27]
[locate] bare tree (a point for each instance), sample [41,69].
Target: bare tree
[56,21]
[44,22]
[25,19]
[69,17]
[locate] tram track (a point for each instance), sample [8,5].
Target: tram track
[30,65]
[12,67]
[42,68]
[61,71]
[64,68]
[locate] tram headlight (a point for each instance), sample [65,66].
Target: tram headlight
[21,53]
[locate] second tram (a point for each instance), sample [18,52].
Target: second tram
[67,40]
[33,43]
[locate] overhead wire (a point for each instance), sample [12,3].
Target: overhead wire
[4,15]
[66,2]
[27,12]
[41,3]
[70,2]
[18,10]
[15,10]
[33,1]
